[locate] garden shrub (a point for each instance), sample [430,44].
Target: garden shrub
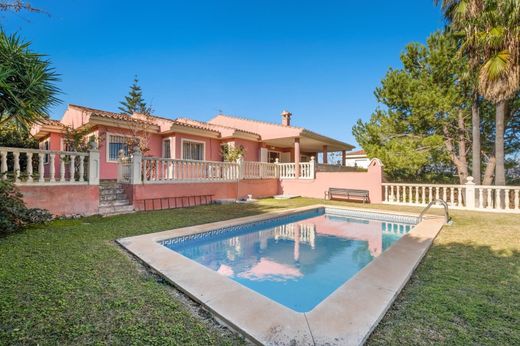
[14,214]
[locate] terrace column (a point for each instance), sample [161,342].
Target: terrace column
[93,165]
[296,158]
[325,154]
[343,157]
[137,162]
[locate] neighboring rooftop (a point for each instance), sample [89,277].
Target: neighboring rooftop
[357,153]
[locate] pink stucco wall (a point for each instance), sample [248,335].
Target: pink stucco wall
[252,148]
[370,180]
[232,190]
[63,200]
[211,146]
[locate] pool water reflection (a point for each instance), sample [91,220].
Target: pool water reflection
[297,264]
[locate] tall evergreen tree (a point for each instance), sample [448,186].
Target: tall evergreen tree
[134,102]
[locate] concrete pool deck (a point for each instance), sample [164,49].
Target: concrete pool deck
[346,317]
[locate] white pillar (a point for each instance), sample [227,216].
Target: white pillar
[296,158]
[93,164]
[240,162]
[470,193]
[313,167]
[137,161]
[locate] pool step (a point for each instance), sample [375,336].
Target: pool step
[112,199]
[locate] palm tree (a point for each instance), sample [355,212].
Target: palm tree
[27,83]
[492,44]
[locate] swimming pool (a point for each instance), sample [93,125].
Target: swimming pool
[297,260]
[307,276]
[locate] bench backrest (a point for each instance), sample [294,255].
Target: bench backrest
[341,190]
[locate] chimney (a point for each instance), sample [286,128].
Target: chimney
[286,118]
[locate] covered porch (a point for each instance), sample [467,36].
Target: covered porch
[305,148]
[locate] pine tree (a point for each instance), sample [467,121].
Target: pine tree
[134,102]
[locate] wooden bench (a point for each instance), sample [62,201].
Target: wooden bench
[347,194]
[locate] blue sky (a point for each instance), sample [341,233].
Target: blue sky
[321,60]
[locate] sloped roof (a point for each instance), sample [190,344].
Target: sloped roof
[226,131]
[273,131]
[111,115]
[357,152]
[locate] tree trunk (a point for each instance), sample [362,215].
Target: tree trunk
[500,174]
[459,161]
[489,172]
[475,123]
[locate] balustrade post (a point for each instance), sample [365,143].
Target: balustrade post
[470,193]
[29,168]
[93,164]
[81,168]
[277,168]
[72,168]
[313,167]
[240,162]
[41,167]
[135,168]
[62,168]
[16,156]
[52,167]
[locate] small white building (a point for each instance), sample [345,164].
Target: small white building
[357,158]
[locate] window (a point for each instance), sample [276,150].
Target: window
[272,156]
[192,150]
[167,154]
[115,144]
[45,145]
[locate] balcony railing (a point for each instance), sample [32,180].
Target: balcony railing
[153,170]
[39,167]
[160,170]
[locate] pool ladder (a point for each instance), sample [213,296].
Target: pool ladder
[447,219]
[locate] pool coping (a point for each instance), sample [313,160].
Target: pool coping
[346,317]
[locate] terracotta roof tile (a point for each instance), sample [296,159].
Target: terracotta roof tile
[214,126]
[111,115]
[357,152]
[206,128]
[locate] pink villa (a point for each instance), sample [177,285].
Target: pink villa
[181,164]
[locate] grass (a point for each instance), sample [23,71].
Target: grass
[69,283]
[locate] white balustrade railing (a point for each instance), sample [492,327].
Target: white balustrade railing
[258,170]
[34,166]
[467,196]
[288,170]
[150,170]
[161,170]
[307,170]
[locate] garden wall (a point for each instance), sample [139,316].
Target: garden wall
[63,200]
[370,180]
[138,194]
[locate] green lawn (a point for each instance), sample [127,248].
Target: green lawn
[69,283]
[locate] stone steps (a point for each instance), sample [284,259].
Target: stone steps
[113,200]
[112,197]
[116,210]
[111,191]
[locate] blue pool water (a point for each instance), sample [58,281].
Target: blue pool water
[295,260]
